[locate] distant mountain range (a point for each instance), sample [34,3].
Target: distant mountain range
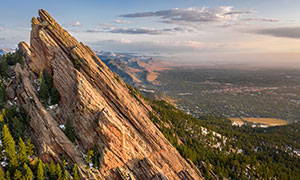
[5,51]
[135,70]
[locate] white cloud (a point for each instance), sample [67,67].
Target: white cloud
[192,16]
[1,28]
[119,21]
[285,32]
[77,23]
[142,30]
[261,19]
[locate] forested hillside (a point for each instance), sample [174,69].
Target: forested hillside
[18,158]
[221,150]
[216,147]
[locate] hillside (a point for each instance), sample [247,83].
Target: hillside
[135,70]
[66,115]
[79,114]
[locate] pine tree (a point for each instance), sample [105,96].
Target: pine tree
[54,96]
[10,149]
[64,164]
[90,155]
[96,156]
[22,155]
[7,175]
[17,175]
[52,170]
[47,78]
[28,173]
[29,148]
[43,93]
[75,172]
[66,176]
[69,131]
[40,170]
[16,126]
[2,93]
[2,174]
[4,70]
[58,172]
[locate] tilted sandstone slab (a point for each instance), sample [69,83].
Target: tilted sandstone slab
[103,110]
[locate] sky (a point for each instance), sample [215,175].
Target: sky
[261,32]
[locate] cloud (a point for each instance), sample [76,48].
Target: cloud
[77,23]
[149,31]
[94,31]
[261,19]
[126,45]
[190,16]
[2,39]
[1,28]
[118,21]
[285,32]
[142,30]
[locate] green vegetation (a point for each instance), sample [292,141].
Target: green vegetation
[69,131]
[76,64]
[267,93]
[19,160]
[10,59]
[6,61]
[75,172]
[237,152]
[2,95]
[21,165]
[47,93]
[10,149]
[40,170]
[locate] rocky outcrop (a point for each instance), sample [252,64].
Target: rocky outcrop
[103,111]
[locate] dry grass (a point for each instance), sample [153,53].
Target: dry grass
[237,121]
[265,121]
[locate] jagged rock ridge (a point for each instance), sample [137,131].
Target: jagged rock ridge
[103,111]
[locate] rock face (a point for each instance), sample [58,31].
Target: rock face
[103,111]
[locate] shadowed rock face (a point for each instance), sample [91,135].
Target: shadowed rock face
[103,111]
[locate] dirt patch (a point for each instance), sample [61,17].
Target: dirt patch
[263,121]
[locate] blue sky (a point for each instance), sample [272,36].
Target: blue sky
[258,31]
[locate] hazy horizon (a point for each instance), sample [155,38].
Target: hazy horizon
[231,31]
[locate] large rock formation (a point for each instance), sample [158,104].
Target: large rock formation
[104,112]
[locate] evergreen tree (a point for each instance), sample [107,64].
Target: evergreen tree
[22,155]
[47,78]
[10,149]
[75,172]
[2,94]
[28,173]
[29,148]
[40,170]
[17,175]
[54,96]
[43,92]
[58,172]
[52,170]
[16,126]
[4,70]
[69,131]
[64,164]
[66,176]
[90,155]
[2,174]
[7,175]
[96,156]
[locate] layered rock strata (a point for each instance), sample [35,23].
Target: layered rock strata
[105,114]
